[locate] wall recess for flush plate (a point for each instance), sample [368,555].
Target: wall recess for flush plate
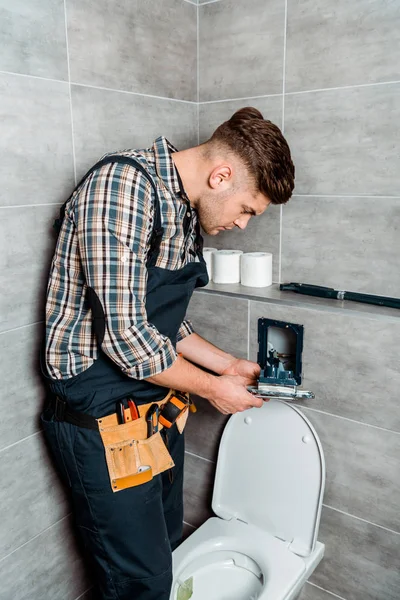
[280,347]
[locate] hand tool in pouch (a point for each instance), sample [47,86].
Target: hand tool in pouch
[152,417]
[119,409]
[133,408]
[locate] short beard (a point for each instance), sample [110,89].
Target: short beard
[209,210]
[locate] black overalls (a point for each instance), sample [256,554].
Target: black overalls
[129,534]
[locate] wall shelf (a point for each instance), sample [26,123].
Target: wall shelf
[273,295]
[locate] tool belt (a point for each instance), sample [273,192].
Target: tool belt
[133,456]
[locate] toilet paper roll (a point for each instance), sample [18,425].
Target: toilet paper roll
[207,255]
[256,269]
[226,266]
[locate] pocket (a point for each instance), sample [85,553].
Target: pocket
[132,458]
[54,440]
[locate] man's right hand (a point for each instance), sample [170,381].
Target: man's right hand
[229,395]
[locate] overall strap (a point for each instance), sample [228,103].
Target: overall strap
[157,233]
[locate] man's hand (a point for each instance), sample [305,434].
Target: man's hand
[244,368]
[229,395]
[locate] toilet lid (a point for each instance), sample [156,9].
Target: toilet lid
[271,473]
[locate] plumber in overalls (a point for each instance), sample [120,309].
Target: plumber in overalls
[119,358]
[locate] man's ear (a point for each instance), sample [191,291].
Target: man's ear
[221,175]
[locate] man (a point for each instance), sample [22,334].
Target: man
[127,260]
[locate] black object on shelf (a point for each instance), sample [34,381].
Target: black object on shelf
[325,292]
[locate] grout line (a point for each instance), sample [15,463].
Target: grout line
[198,73]
[190,2]
[35,536]
[85,592]
[322,412]
[344,196]
[20,327]
[243,98]
[98,87]
[361,519]
[283,130]
[248,329]
[343,87]
[70,93]
[280,244]
[198,125]
[327,591]
[209,2]
[34,77]
[32,205]
[190,525]
[202,457]
[198,56]
[19,441]
[284,65]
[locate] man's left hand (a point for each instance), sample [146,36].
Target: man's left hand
[244,368]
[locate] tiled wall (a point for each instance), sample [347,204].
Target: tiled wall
[328,73]
[77,79]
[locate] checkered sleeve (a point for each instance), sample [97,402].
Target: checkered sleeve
[185,329]
[113,217]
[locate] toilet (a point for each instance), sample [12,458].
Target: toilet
[269,484]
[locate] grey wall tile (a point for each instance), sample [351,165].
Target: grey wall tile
[241,48]
[198,488]
[261,235]
[361,561]
[48,566]
[21,387]
[30,496]
[345,141]
[126,121]
[311,592]
[341,43]
[204,429]
[348,362]
[36,163]
[213,114]
[221,320]
[317,233]
[150,46]
[32,38]
[26,247]
[362,469]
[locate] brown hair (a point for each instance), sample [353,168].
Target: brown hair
[263,149]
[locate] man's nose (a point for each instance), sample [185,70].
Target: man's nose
[242,221]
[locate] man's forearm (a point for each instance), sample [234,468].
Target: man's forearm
[203,353]
[182,375]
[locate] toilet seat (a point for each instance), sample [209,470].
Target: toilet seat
[281,569]
[267,496]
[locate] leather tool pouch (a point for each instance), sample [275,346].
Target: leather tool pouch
[132,457]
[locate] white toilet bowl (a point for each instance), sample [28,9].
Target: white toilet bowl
[268,495]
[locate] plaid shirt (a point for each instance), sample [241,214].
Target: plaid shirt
[103,244]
